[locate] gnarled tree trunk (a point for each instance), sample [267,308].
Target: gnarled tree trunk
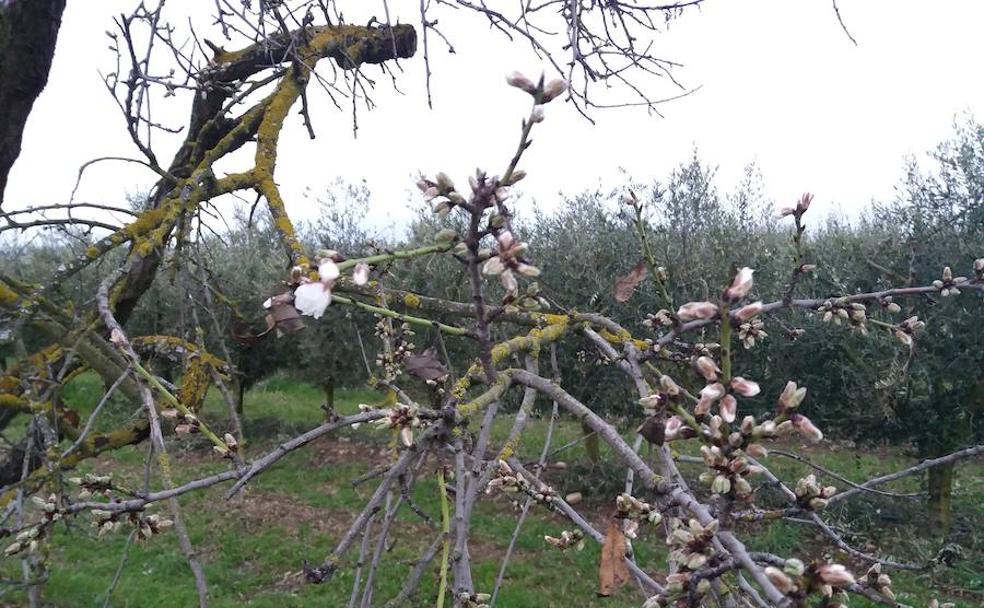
[28,31]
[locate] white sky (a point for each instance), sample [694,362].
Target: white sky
[781,85]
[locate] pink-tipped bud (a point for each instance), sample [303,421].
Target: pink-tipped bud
[792,396]
[537,115]
[745,387]
[740,286]
[360,276]
[708,368]
[779,578]
[728,408]
[712,392]
[756,450]
[669,386]
[749,312]
[804,202]
[703,407]
[328,271]
[520,81]
[692,311]
[672,428]
[835,575]
[554,89]
[505,239]
[805,427]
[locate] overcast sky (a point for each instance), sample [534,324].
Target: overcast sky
[781,85]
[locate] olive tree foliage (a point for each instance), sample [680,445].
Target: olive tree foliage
[681,360]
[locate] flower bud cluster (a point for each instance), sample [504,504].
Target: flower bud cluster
[89,485]
[948,284]
[633,511]
[890,305]
[728,467]
[441,194]
[400,417]
[909,329]
[184,424]
[839,310]
[27,540]
[750,331]
[508,481]
[150,525]
[567,539]
[473,600]
[810,495]
[690,544]
[801,206]
[401,346]
[542,92]
[877,580]
[662,318]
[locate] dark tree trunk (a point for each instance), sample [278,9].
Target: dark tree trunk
[940,482]
[328,386]
[241,395]
[28,31]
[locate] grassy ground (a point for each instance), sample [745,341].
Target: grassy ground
[253,547]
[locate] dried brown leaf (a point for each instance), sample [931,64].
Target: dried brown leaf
[613,572]
[653,430]
[426,365]
[625,286]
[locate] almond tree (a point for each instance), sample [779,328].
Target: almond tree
[240,100]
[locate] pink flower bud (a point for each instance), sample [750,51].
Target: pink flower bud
[555,88]
[708,368]
[744,387]
[756,450]
[537,114]
[806,428]
[328,271]
[749,312]
[792,396]
[505,239]
[835,575]
[696,310]
[779,578]
[520,81]
[804,202]
[785,211]
[672,428]
[728,408]
[651,402]
[703,407]
[713,392]
[740,286]
[360,276]
[669,386]
[493,266]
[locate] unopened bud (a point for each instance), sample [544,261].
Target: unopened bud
[555,88]
[520,81]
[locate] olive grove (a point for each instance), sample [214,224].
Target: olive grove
[659,316]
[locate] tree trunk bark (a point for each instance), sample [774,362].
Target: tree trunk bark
[28,32]
[940,482]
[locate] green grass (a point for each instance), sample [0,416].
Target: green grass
[254,547]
